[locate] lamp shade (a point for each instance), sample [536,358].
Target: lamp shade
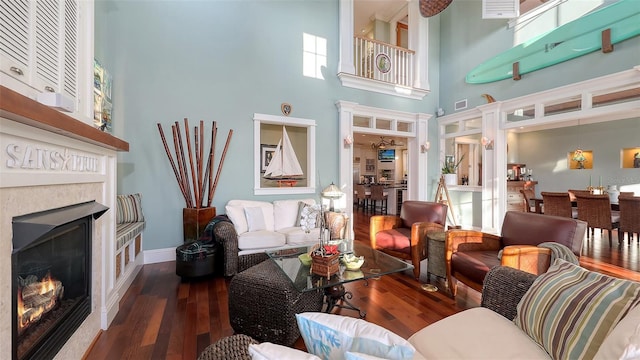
[332,192]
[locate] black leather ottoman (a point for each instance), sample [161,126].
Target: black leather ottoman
[263,304]
[195,259]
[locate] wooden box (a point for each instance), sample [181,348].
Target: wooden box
[325,265]
[194,221]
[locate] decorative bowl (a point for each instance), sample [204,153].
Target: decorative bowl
[305,259]
[352,262]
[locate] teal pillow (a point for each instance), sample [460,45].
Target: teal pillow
[569,310]
[331,336]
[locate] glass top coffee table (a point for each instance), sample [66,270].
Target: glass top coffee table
[376,264]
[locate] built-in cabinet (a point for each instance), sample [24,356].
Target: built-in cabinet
[41,43]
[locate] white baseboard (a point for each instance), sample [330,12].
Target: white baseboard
[159,255]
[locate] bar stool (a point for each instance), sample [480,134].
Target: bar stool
[377,193]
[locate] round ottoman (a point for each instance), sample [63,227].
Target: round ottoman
[263,304]
[234,347]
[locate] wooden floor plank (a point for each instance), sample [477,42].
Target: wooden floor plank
[163,317]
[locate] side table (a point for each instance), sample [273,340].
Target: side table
[435,254]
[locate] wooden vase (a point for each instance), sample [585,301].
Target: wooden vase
[195,220]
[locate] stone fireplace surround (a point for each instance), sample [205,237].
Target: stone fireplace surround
[50,160]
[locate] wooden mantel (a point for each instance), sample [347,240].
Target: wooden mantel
[17,107]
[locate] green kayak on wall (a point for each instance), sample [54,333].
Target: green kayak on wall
[571,40]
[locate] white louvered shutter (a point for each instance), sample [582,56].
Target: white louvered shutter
[15,27]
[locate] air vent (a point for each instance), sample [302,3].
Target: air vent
[500,9]
[460,105]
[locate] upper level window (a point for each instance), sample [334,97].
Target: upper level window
[314,55]
[541,17]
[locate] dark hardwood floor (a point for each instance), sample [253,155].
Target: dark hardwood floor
[162,317]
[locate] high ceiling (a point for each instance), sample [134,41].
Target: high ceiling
[367,10]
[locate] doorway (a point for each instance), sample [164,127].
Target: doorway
[411,128]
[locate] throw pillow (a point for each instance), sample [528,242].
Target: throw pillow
[271,351]
[255,218]
[238,218]
[129,208]
[349,355]
[330,336]
[569,311]
[309,217]
[301,206]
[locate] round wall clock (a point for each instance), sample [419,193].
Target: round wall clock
[286,109]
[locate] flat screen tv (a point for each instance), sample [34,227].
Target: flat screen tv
[386,154]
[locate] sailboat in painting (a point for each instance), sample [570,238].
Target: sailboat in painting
[284,167]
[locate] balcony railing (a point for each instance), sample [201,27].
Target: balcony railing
[384,62]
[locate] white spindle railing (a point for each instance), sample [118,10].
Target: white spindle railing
[385,62]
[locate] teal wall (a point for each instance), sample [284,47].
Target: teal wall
[223,61]
[462,49]
[546,153]
[226,60]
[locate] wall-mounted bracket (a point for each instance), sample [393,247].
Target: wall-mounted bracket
[607,46]
[516,71]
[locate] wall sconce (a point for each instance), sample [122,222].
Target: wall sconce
[488,144]
[425,147]
[348,140]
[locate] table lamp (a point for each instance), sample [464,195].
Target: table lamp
[332,192]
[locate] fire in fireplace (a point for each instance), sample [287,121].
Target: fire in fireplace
[51,277]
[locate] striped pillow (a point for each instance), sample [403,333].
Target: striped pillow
[129,208]
[569,311]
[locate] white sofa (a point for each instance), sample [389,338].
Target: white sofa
[263,225]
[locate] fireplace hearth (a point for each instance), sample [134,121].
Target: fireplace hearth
[51,277]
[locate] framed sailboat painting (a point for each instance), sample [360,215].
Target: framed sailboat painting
[289,166]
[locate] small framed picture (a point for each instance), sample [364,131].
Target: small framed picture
[286,109]
[267,152]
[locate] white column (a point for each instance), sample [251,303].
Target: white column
[494,169]
[346,37]
[418,39]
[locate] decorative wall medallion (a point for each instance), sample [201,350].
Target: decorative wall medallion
[383,63]
[286,109]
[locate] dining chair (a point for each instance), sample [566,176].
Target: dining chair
[596,211]
[527,195]
[377,193]
[629,217]
[558,204]
[362,197]
[572,193]
[626,193]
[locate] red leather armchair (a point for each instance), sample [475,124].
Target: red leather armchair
[404,236]
[470,254]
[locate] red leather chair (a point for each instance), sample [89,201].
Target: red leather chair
[404,236]
[470,254]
